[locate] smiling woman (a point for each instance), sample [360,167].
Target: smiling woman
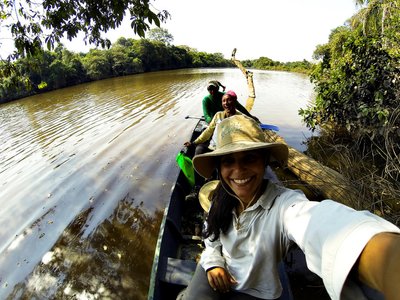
[252,223]
[243,172]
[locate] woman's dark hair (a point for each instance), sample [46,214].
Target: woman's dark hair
[220,215]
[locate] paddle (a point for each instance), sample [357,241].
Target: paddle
[263,126]
[185,163]
[197,118]
[270,127]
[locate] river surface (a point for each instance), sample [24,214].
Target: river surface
[86,172]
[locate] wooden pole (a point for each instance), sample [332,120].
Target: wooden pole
[330,183]
[249,79]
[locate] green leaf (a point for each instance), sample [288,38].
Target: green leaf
[42,85]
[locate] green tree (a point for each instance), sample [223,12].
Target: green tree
[75,72]
[122,61]
[13,87]
[124,42]
[160,35]
[97,64]
[380,19]
[357,79]
[32,23]
[55,69]
[180,57]
[58,74]
[263,63]
[357,83]
[36,70]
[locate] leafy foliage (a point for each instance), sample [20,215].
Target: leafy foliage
[265,63]
[60,68]
[34,24]
[356,80]
[380,19]
[160,35]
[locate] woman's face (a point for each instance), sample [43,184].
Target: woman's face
[228,103]
[244,172]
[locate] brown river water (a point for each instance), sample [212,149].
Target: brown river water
[86,172]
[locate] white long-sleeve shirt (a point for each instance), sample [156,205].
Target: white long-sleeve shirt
[331,235]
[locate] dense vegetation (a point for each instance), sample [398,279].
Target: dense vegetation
[265,63]
[33,25]
[48,70]
[357,108]
[60,68]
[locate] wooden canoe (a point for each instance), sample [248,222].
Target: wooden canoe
[179,246]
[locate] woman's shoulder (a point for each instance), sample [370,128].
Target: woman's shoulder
[284,196]
[220,115]
[207,98]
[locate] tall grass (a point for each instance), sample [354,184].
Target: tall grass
[371,163]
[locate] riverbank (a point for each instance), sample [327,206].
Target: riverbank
[370,167]
[52,70]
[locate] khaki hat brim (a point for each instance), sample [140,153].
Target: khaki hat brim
[205,194]
[205,164]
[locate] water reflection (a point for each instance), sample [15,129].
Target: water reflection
[86,264]
[85,173]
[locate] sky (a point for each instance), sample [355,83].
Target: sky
[282,30]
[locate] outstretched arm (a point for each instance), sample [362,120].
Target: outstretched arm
[379,264]
[207,134]
[334,238]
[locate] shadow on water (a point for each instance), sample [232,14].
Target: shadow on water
[100,265]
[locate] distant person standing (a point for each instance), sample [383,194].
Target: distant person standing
[212,103]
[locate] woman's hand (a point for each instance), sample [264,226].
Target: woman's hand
[187,144]
[220,280]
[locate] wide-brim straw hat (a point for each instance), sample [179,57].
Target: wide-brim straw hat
[236,134]
[206,193]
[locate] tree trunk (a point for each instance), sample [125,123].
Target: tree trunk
[249,79]
[331,184]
